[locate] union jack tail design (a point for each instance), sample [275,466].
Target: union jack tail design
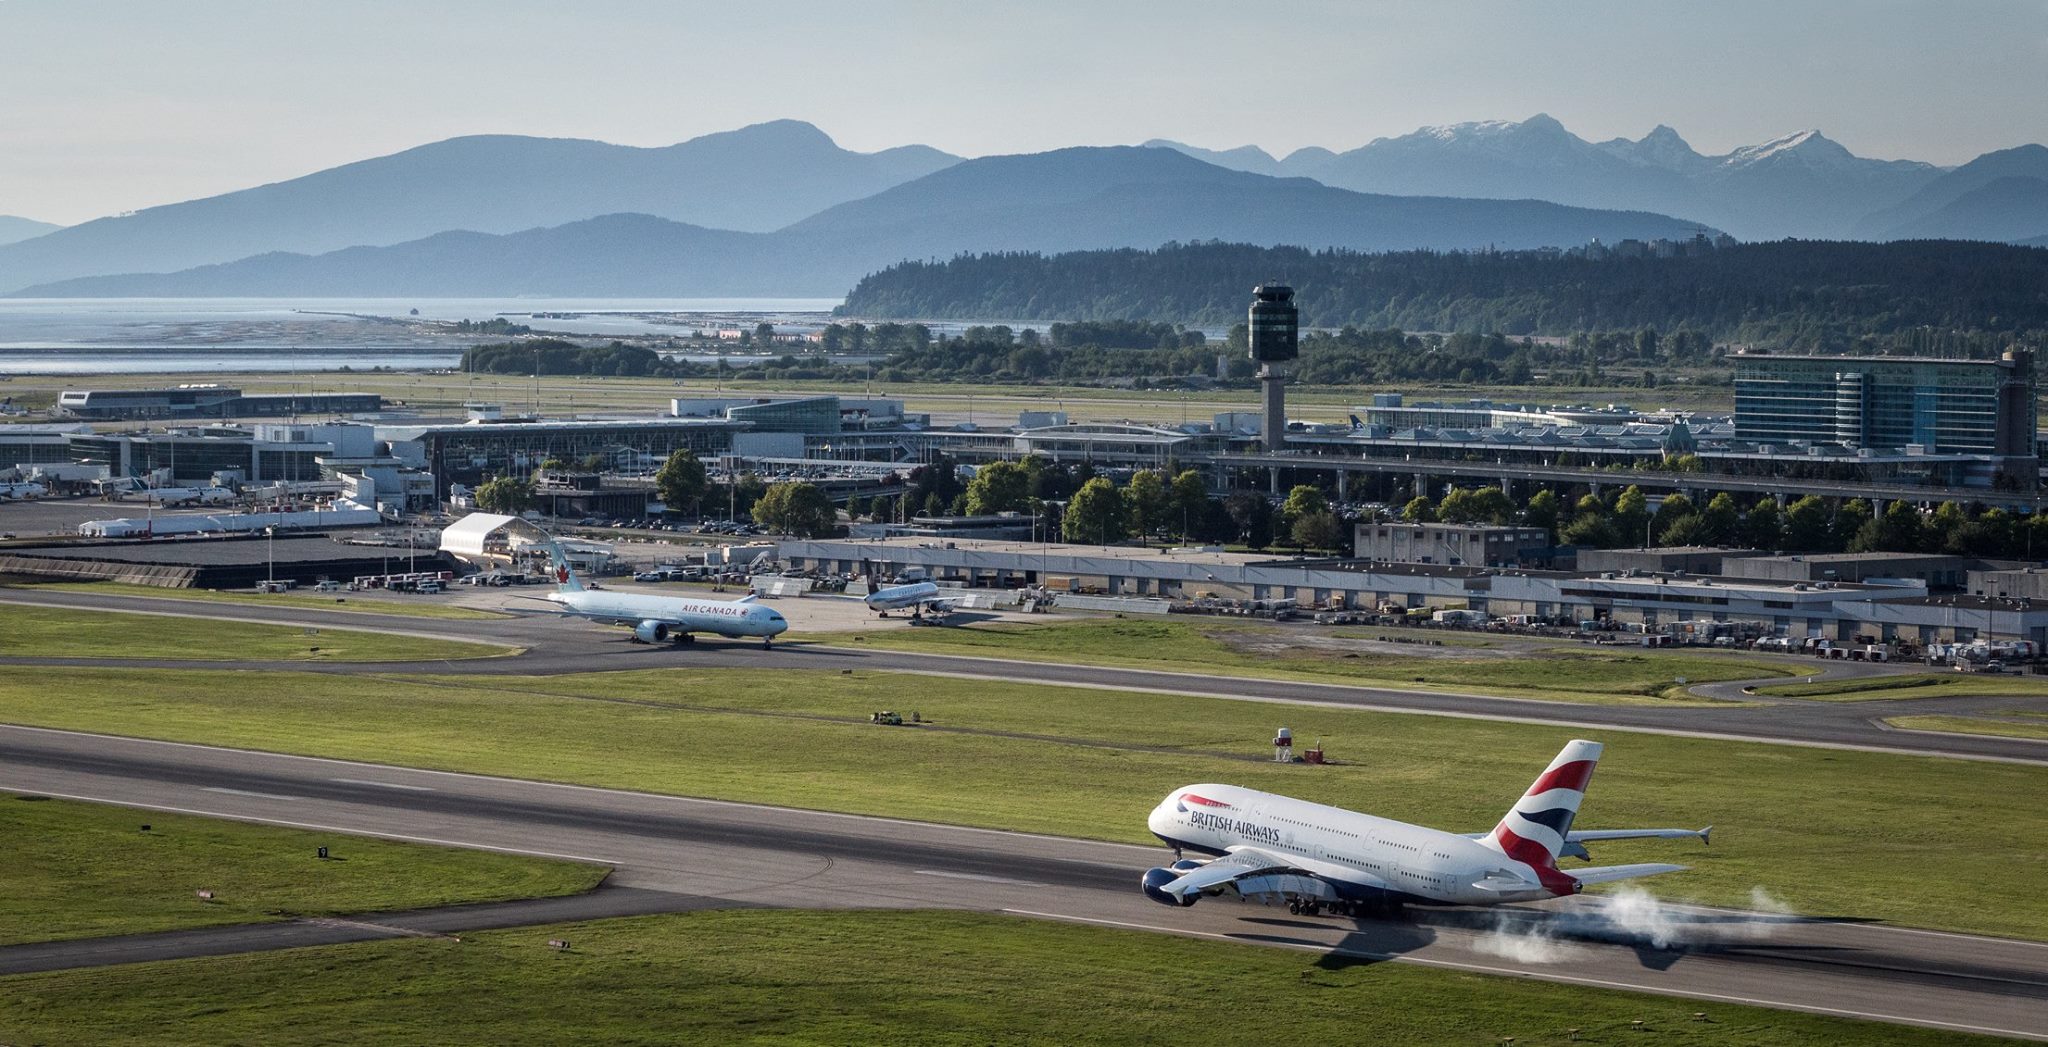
[1534,832]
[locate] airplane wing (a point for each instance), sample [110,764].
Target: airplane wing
[1610,873]
[1238,864]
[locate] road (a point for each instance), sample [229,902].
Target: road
[555,646]
[723,853]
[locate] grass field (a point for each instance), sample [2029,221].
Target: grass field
[1831,832]
[79,870]
[1558,672]
[1919,685]
[856,977]
[1971,725]
[414,607]
[33,631]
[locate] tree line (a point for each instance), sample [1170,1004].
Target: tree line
[1942,297]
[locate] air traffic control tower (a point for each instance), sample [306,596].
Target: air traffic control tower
[1274,338]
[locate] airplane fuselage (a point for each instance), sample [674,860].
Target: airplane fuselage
[728,618]
[897,597]
[1361,857]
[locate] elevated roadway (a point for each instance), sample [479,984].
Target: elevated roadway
[716,853]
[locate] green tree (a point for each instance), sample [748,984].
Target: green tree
[505,496]
[999,487]
[801,509]
[1849,519]
[1322,531]
[741,494]
[1591,530]
[1096,514]
[1897,531]
[1543,511]
[1670,510]
[1146,501]
[1303,500]
[1690,529]
[1419,510]
[1631,515]
[1190,501]
[1720,521]
[1251,519]
[1764,526]
[1476,505]
[1806,525]
[1943,526]
[681,482]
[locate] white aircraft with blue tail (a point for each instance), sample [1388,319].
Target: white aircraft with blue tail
[663,619]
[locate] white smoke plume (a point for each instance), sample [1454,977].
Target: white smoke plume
[1631,916]
[1523,941]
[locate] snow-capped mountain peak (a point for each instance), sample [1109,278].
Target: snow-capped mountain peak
[1809,146]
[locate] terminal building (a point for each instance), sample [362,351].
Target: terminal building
[206,401]
[1970,407]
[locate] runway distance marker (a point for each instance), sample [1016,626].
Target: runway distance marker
[384,785]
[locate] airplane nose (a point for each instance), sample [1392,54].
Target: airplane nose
[1156,821]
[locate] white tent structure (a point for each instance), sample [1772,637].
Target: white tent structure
[483,538]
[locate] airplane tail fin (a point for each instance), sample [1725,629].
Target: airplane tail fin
[1535,831]
[565,576]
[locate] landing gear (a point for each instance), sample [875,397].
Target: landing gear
[685,638]
[1308,907]
[767,643]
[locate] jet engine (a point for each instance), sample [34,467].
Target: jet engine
[1156,879]
[651,632]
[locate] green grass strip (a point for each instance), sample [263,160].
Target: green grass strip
[1552,671]
[81,870]
[1831,832]
[27,631]
[783,977]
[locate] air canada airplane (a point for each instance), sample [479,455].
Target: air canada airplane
[1317,857]
[918,596]
[657,619]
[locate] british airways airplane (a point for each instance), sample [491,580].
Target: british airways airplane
[918,596]
[1317,857]
[656,619]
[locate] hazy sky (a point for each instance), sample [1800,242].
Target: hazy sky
[112,105]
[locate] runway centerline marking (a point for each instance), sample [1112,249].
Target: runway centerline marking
[384,785]
[978,878]
[250,792]
[1513,972]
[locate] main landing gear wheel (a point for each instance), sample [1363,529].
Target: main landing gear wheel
[682,638]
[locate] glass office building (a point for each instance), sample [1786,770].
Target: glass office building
[1979,407]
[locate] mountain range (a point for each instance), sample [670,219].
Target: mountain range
[780,208]
[1799,185]
[1065,200]
[14,229]
[756,179]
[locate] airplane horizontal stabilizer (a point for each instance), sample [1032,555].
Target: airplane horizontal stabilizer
[1499,883]
[1610,873]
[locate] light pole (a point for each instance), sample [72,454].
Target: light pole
[270,543]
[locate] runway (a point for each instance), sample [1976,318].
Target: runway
[739,854]
[556,646]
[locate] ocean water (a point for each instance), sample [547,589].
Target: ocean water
[198,335]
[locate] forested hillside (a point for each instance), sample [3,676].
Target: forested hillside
[1919,296]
